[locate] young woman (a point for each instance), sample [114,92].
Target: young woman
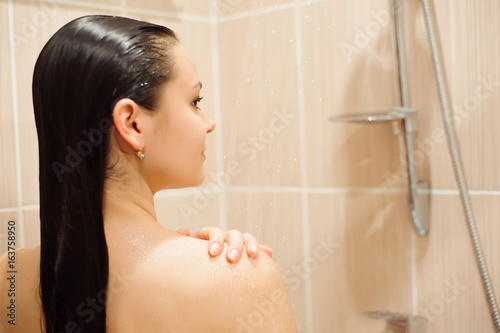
[118,119]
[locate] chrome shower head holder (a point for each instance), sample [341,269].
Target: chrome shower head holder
[417,212]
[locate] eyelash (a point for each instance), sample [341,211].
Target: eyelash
[196,101]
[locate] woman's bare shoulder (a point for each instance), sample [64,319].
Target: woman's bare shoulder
[184,289]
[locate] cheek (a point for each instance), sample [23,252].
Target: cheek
[183,137]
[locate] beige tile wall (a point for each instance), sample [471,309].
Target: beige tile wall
[320,193]
[8,190]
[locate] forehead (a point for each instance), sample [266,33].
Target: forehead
[186,72]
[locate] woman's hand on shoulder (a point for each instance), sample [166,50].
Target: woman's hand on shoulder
[235,239]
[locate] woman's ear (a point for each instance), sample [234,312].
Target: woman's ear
[128,122]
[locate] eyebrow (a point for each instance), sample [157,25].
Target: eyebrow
[198,85]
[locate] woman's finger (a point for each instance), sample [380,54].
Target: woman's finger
[234,239]
[251,244]
[215,237]
[266,249]
[183,232]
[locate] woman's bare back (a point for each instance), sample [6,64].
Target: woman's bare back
[21,291]
[161,281]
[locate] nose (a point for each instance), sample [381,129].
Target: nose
[209,123]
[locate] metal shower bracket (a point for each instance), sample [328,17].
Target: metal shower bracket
[418,210]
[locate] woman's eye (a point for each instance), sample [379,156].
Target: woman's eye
[196,101]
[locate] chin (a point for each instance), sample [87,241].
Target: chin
[196,181]
[183,182]
[201,180]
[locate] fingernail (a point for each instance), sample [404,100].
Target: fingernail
[254,248]
[214,248]
[233,254]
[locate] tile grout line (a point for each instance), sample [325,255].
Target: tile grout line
[185,16]
[266,10]
[127,10]
[19,209]
[123,5]
[303,156]
[176,193]
[10,7]
[217,109]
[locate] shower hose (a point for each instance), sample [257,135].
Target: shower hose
[457,166]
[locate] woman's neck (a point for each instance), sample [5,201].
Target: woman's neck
[128,201]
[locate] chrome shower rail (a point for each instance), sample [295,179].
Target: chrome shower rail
[457,166]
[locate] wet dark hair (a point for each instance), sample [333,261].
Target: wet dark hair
[82,71]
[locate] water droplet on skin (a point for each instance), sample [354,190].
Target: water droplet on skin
[291,40]
[307,16]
